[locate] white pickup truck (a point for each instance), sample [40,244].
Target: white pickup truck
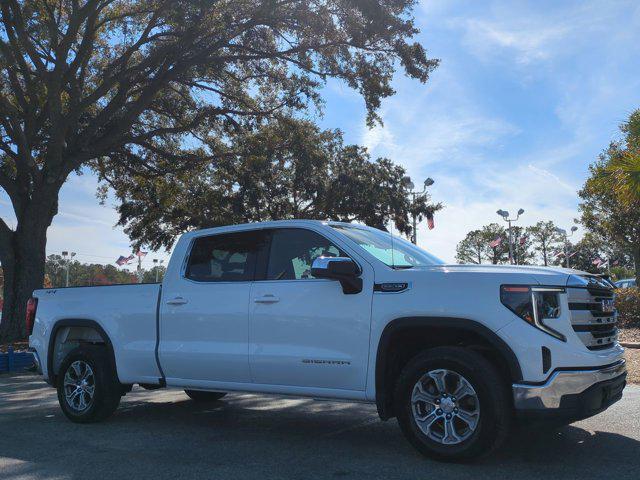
[341,311]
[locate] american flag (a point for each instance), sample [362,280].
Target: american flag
[141,254]
[124,260]
[430,221]
[598,261]
[496,242]
[523,239]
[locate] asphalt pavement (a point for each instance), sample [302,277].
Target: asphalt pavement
[162,434]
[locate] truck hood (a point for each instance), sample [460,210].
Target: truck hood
[515,273]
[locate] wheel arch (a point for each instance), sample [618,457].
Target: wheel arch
[439,331]
[76,326]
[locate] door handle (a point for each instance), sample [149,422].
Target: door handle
[177,301]
[267,299]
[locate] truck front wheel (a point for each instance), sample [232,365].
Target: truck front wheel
[202,396]
[88,389]
[452,404]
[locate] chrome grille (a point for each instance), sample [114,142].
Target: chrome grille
[592,320]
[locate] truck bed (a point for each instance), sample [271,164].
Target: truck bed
[126,313]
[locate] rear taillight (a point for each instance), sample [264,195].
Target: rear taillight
[32,305]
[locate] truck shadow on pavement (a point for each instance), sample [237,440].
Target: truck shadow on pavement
[164,435]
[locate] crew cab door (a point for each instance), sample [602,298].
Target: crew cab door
[305,331]
[204,311]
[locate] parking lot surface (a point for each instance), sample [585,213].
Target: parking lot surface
[162,434]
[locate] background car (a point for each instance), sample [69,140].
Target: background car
[626,283]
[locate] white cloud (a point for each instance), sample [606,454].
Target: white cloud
[472,203]
[528,43]
[532,33]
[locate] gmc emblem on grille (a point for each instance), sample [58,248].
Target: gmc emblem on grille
[608,306]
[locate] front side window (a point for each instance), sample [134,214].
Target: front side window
[393,251]
[225,258]
[293,251]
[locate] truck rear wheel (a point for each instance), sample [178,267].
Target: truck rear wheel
[202,396]
[452,404]
[88,388]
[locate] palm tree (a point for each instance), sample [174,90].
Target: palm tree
[622,171]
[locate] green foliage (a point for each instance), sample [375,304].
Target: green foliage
[475,248]
[607,211]
[619,273]
[628,305]
[545,240]
[287,168]
[90,274]
[583,253]
[622,172]
[523,253]
[83,274]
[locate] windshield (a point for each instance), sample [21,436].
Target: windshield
[378,244]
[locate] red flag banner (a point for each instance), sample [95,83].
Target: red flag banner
[124,260]
[496,242]
[430,221]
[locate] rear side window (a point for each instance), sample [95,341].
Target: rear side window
[293,251]
[225,258]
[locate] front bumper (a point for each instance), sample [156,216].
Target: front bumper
[572,394]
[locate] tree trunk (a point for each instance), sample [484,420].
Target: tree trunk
[544,254]
[636,262]
[23,255]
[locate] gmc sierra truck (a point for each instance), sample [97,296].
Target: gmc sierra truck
[457,353]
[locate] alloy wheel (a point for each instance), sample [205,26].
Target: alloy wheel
[445,407]
[79,386]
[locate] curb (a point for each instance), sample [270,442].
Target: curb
[630,344]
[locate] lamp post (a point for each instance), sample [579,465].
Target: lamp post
[505,216]
[67,257]
[415,195]
[156,264]
[566,236]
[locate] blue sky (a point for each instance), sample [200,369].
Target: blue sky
[526,96]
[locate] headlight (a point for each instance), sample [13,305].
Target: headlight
[535,305]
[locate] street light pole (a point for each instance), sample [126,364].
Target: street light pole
[157,263]
[415,196]
[505,216]
[67,262]
[563,232]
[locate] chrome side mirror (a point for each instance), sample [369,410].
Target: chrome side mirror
[343,269]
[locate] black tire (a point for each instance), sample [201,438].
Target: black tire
[202,396]
[107,390]
[495,408]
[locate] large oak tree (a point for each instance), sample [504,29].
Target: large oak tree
[142,83]
[286,168]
